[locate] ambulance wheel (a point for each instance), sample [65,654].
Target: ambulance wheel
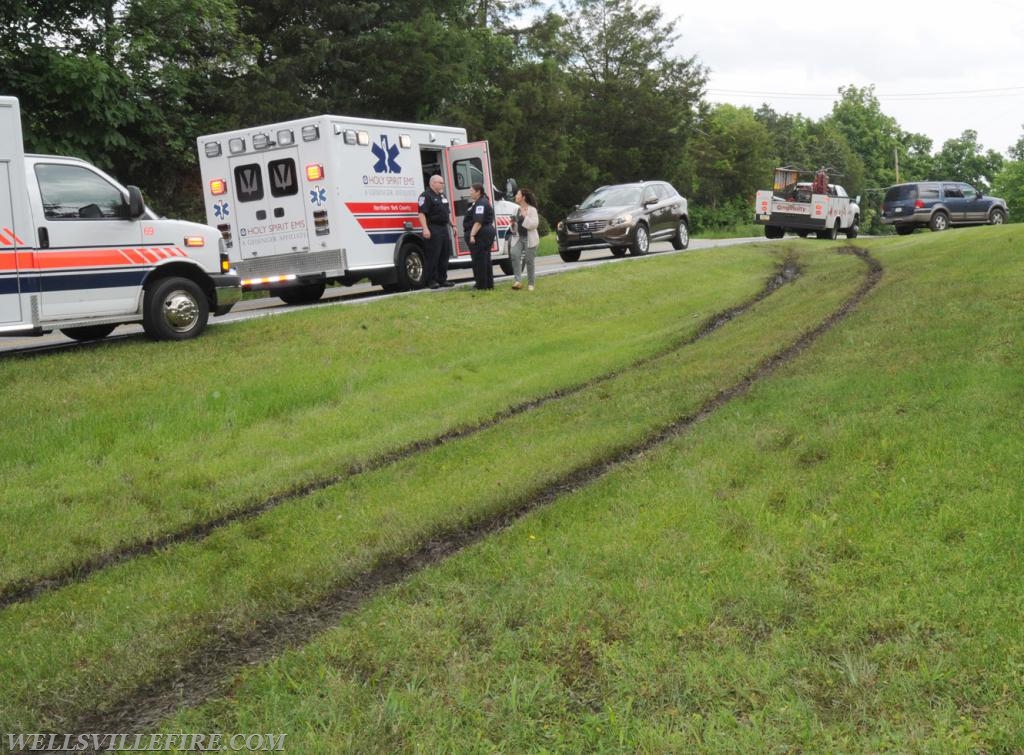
[854,229]
[411,267]
[506,266]
[569,255]
[174,309]
[619,251]
[304,294]
[88,332]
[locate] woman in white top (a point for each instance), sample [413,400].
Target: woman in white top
[526,239]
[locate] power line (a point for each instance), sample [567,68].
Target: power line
[1015,91]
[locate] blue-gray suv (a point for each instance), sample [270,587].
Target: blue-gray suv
[939,205]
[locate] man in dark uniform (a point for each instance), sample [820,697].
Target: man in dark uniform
[478,225]
[435,218]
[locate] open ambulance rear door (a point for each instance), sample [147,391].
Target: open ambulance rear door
[465,165]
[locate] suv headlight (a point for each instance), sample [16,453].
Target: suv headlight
[626,219]
[561,226]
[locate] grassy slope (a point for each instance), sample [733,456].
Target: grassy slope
[147,438]
[829,564]
[86,646]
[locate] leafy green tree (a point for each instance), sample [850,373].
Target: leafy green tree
[1009,184]
[731,156]
[963,159]
[801,143]
[888,152]
[636,101]
[104,80]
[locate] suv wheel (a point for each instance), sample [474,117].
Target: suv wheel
[997,216]
[642,242]
[569,255]
[939,221]
[682,238]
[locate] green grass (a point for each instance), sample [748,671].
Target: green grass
[148,438]
[828,563]
[122,631]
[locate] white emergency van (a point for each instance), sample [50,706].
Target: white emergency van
[82,254]
[332,199]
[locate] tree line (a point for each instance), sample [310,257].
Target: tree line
[572,97]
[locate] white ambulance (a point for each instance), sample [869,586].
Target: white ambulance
[82,254]
[331,199]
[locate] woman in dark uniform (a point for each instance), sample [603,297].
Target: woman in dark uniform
[478,226]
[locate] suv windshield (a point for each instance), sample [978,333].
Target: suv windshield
[614,196]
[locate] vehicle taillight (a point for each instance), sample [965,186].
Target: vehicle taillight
[314,172]
[218,186]
[225,232]
[919,204]
[321,223]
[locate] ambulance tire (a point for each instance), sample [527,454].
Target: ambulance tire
[304,294]
[88,332]
[411,266]
[506,266]
[619,251]
[174,309]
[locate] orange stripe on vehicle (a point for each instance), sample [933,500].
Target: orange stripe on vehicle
[11,236]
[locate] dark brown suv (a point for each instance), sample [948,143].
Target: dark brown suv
[625,217]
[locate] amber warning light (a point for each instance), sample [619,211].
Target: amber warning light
[218,186]
[314,172]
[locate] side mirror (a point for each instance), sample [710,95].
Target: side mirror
[511,187]
[136,205]
[856,199]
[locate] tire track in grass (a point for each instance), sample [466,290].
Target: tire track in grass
[787,270]
[211,672]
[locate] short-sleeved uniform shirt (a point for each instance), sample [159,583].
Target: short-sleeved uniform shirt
[479,212]
[434,207]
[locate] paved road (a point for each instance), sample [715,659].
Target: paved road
[364,292]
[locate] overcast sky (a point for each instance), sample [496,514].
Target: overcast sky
[938,67]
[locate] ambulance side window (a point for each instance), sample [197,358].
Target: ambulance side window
[72,192]
[249,182]
[283,178]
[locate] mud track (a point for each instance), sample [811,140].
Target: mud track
[16,592]
[211,670]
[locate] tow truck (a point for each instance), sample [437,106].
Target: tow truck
[804,202]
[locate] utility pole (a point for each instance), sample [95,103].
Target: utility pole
[896,159]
